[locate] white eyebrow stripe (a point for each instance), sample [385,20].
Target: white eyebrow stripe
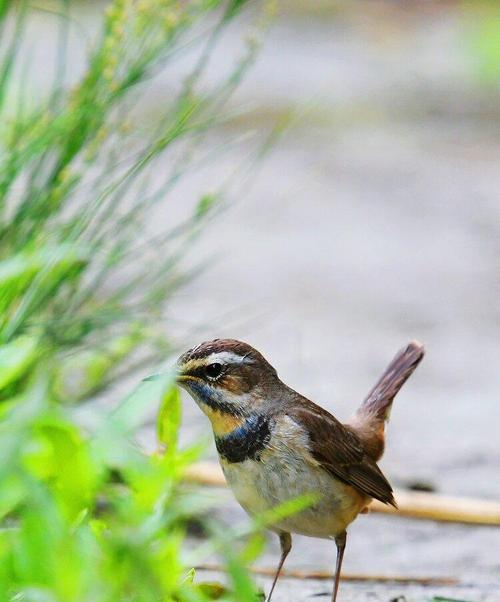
[220,357]
[227,357]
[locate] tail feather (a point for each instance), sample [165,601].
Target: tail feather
[369,420]
[379,400]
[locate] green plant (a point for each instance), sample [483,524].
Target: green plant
[72,532]
[482,40]
[80,278]
[82,294]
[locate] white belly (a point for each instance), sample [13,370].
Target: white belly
[276,478]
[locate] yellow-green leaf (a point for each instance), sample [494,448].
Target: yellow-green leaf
[169,418]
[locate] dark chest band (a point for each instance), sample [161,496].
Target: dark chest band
[247,441]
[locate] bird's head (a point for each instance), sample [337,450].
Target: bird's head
[228,379]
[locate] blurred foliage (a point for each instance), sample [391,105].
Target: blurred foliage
[484,39]
[87,516]
[80,279]
[71,532]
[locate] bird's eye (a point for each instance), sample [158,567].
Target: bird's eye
[213,371]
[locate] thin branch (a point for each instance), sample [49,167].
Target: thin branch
[328,575]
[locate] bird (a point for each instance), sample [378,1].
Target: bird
[274,445]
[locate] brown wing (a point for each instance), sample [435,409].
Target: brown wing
[340,451]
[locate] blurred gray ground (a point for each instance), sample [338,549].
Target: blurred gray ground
[375,220]
[294,590]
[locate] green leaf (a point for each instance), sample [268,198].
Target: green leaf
[16,358]
[169,418]
[18,271]
[59,453]
[13,492]
[484,41]
[205,204]
[285,509]
[243,585]
[212,590]
[189,578]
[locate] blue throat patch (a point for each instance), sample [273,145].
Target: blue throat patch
[207,396]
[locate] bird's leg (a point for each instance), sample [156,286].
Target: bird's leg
[286,546]
[340,540]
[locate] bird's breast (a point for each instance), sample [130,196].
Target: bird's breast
[281,471]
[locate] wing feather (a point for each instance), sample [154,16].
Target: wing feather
[340,452]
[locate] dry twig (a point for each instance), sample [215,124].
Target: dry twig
[325,575]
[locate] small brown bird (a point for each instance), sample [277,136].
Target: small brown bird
[275,445]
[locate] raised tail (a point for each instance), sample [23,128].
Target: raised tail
[369,420]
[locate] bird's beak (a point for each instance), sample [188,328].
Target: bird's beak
[182,377]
